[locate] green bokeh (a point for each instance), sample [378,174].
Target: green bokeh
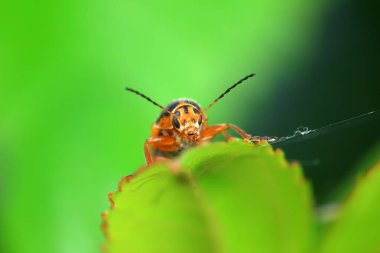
[68,130]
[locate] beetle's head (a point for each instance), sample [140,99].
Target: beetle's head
[188,121]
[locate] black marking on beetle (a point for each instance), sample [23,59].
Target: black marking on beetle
[192,102]
[185,109]
[200,120]
[178,113]
[195,111]
[163,114]
[176,122]
[172,105]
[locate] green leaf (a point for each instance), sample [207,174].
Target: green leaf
[368,161]
[358,226]
[224,197]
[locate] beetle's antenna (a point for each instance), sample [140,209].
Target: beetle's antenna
[229,89]
[147,98]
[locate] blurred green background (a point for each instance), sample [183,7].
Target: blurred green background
[69,131]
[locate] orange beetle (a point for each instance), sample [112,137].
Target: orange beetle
[183,124]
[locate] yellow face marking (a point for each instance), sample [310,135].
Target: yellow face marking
[187,117]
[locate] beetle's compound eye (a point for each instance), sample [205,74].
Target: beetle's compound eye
[200,120]
[176,123]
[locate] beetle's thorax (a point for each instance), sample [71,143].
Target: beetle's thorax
[187,123]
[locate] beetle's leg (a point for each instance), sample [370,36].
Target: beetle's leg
[212,131]
[226,136]
[163,143]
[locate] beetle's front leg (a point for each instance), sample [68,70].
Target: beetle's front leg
[162,143]
[212,131]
